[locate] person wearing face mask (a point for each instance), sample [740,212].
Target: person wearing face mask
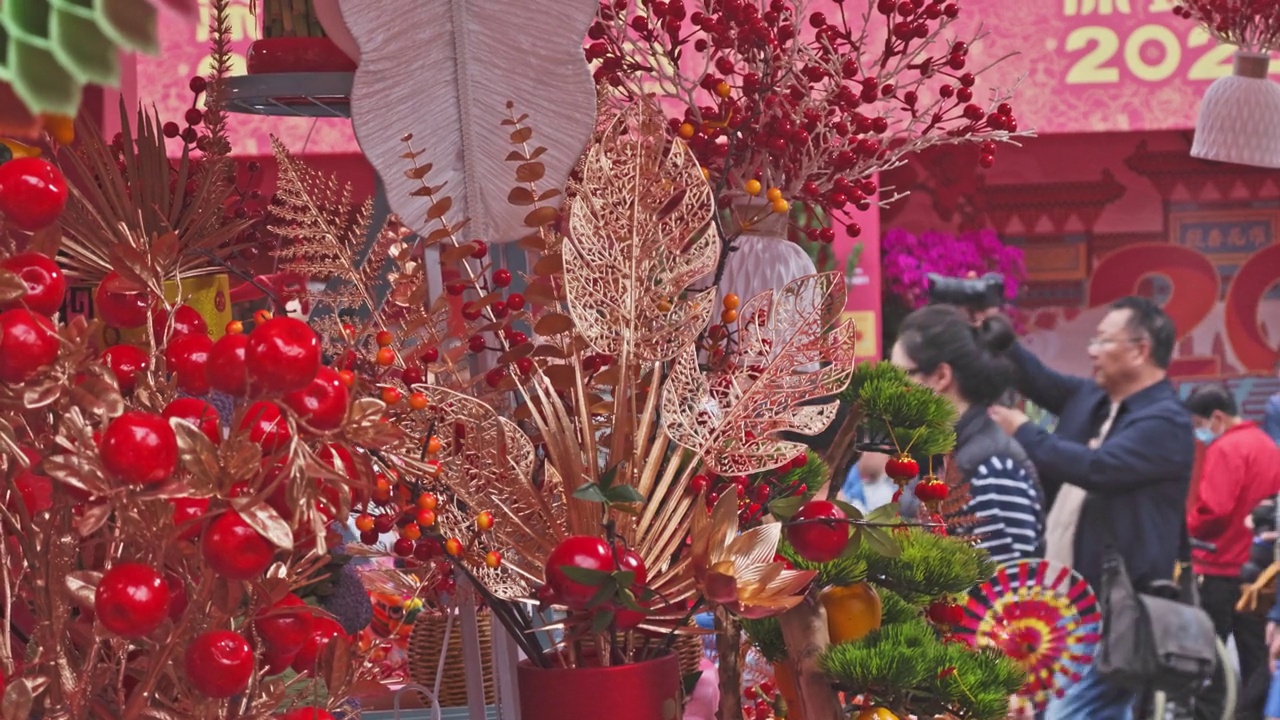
[1240,469]
[939,348]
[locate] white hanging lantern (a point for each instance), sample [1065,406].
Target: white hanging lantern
[1240,116]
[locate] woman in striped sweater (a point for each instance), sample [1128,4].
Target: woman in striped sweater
[938,347]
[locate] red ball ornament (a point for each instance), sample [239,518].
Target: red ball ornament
[283,355]
[35,489]
[579,551]
[46,287]
[27,344]
[901,468]
[187,357]
[139,448]
[234,549]
[131,600]
[322,404]
[226,369]
[283,626]
[119,308]
[218,663]
[305,713]
[32,192]
[323,629]
[266,425]
[630,561]
[187,513]
[815,540]
[127,362]
[186,321]
[198,413]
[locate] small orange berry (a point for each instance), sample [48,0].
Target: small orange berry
[261,316]
[752,187]
[433,469]
[62,128]
[781,206]
[664,305]
[434,445]
[385,338]
[235,327]
[386,356]
[772,194]
[493,559]
[347,377]
[732,301]
[427,501]
[390,395]
[418,401]
[426,518]
[686,131]
[382,490]
[728,317]
[453,546]
[364,522]
[484,521]
[706,174]
[723,89]
[412,532]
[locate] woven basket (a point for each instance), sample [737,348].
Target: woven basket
[689,648]
[424,656]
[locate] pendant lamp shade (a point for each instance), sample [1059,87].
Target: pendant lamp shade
[1240,116]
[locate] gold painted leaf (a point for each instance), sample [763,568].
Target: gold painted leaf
[641,233]
[12,287]
[82,584]
[264,518]
[93,519]
[521,196]
[439,208]
[17,700]
[553,324]
[198,455]
[530,172]
[542,216]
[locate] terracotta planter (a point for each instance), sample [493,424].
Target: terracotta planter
[648,690]
[297,55]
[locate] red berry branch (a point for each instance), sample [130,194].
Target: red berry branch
[1253,25]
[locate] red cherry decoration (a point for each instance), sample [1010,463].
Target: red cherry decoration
[139,448]
[283,355]
[187,357]
[234,549]
[33,192]
[323,629]
[27,344]
[226,369]
[34,488]
[186,321]
[218,663]
[818,541]
[283,627]
[630,561]
[579,551]
[187,513]
[198,413]
[46,287]
[901,468]
[322,404]
[178,599]
[266,425]
[131,600]
[127,362]
[117,307]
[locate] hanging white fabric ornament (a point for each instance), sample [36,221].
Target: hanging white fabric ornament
[1240,116]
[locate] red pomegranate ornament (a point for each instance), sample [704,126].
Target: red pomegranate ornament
[28,343]
[579,551]
[322,404]
[283,355]
[234,549]
[197,412]
[187,357]
[46,287]
[33,192]
[226,368]
[139,448]
[817,531]
[127,362]
[901,468]
[131,600]
[118,304]
[218,663]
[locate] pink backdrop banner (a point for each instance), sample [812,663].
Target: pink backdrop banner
[1084,65]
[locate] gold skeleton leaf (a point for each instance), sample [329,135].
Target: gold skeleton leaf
[791,350]
[639,235]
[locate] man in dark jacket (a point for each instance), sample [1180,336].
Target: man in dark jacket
[1119,463]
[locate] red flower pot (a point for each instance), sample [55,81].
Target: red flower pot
[296,55]
[648,690]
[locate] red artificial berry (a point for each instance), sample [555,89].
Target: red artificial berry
[940,612]
[139,448]
[579,551]
[502,277]
[430,355]
[187,357]
[187,512]
[283,626]
[32,192]
[524,365]
[987,161]
[322,404]
[476,344]
[171,130]
[817,533]
[218,663]
[305,713]
[901,468]
[266,425]
[515,302]
[698,484]
[323,629]
[197,412]
[226,369]
[27,343]
[186,321]
[495,376]
[481,248]
[283,355]
[630,561]
[131,600]
[46,287]
[403,547]
[189,135]
[127,362]
[235,550]
[178,599]
[34,488]
[117,307]
[411,376]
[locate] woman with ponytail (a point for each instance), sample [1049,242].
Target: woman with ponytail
[940,348]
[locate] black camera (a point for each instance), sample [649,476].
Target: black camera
[978,293]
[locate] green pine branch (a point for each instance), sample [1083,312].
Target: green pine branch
[897,414]
[930,566]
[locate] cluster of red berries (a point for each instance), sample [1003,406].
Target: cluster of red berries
[1250,24]
[788,97]
[754,492]
[597,555]
[193,117]
[764,701]
[28,340]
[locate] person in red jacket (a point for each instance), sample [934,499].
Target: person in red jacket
[1241,468]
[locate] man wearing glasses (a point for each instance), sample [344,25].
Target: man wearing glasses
[1119,462]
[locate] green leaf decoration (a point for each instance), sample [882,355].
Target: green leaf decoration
[601,621]
[628,600]
[884,514]
[786,508]
[586,576]
[624,494]
[625,579]
[882,542]
[591,492]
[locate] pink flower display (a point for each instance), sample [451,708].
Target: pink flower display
[907,260]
